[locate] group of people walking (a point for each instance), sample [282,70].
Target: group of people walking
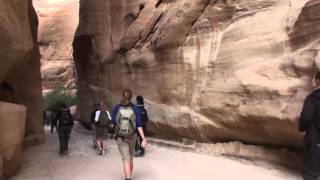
[103,124]
[127,123]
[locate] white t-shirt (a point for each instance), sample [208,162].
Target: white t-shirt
[96,117]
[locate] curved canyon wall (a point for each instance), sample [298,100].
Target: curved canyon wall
[57,23]
[210,70]
[20,83]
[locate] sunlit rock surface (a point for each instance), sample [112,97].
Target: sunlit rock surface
[57,23]
[210,70]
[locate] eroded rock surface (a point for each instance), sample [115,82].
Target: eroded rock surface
[57,23]
[210,70]
[15,35]
[20,81]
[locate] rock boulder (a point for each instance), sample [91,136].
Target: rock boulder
[12,130]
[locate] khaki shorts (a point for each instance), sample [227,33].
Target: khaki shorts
[101,133]
[126,147]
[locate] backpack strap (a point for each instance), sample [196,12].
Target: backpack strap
[134,123]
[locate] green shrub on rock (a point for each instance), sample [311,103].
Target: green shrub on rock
[59,94]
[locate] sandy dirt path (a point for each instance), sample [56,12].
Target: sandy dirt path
[83,163]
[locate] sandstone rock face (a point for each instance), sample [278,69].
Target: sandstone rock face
[57,23]
[25,80]
[15,35]
[12,130]
[1,166]
[20,81]
[210,70]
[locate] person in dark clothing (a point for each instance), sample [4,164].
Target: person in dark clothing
[97,107]
[65,124]
[139,150]
[53,120]
[310,125]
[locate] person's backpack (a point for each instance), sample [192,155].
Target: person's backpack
[65,118]
[126,122]
[144,115]
[103,120]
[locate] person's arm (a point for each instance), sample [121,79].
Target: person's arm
[307,114]
[72,123]
[147,116]
[144,140]
[109,116]
[58,117]
[92,116]
[114,114]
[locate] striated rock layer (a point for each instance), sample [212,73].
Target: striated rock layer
[210,70]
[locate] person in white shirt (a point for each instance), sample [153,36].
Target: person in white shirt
[102,122]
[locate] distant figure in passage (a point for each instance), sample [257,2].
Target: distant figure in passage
[102,123]
[53,120]
[65,124]
[144,119]
[97,107]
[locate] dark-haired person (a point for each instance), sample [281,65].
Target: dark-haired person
[97,107]
[144,119]
[127,121]
[64,127]
[310,125]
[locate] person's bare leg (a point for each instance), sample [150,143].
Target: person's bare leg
[104,146]
[131,167]
[127,169]
[99,145]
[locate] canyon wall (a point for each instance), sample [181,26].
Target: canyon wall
[210,70]
[57,23]
[12,130]
[20,82]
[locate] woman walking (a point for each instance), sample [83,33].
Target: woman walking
[126,118]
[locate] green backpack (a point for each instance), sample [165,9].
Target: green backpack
[103,120]
[126,122]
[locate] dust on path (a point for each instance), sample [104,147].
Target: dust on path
[83,163]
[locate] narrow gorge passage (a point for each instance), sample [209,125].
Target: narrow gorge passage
[43,163]
[211,71]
